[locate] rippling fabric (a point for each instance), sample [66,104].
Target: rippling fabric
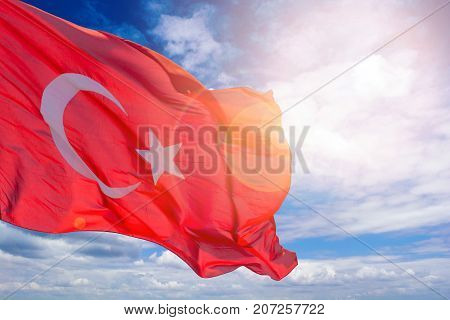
[215,220]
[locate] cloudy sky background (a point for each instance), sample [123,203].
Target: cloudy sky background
[378,150]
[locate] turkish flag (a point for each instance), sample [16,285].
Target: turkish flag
[98,133]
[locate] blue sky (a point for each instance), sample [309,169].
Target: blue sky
[376,150]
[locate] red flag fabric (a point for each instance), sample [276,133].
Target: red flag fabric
[102,134]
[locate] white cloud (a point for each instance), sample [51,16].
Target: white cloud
[351,277]
[139,262]
[189,38]
[368,272]
[313,273]
[379,134]
[190,41]
[168,259]
[80,282]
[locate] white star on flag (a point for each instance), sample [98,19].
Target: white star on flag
[161,158]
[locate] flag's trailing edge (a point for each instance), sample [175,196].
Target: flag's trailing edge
[80,117]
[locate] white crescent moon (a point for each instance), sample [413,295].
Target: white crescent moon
[55,98]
